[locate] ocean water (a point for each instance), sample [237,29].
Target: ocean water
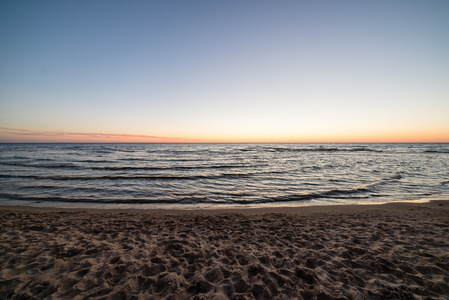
[190,176]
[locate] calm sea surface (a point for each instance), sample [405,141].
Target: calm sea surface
[220,175]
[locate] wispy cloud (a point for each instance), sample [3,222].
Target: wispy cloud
[87,135]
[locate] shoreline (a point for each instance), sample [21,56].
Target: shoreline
[306,209]
[389,251]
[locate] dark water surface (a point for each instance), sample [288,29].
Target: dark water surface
[220,175]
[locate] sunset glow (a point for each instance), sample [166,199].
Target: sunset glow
[199,72]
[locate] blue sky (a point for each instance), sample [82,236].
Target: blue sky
[224,71]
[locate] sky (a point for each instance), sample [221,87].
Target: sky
[224,71]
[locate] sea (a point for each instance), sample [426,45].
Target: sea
[209,176]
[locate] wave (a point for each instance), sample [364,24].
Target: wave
[321,149]
[130,168]
[95,161]
[69,166]
[132,159]
[58,187]
[385,181]
[159,159]
[103,151]
[31,158]
[179,151]
[46,166]
[436,151]
[141,177]
[396,176]
[334,194]
[348,149]
[90,200]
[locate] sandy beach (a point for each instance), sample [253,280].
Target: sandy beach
[391,251]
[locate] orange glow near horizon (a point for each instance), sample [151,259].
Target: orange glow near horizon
[10,135]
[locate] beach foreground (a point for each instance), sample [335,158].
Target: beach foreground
[392,251]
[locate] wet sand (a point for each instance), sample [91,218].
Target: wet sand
[392,251]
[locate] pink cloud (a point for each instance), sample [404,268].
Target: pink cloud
[88,135]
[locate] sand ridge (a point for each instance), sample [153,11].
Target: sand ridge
[382,252]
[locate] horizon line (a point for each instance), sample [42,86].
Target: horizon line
[224,142]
